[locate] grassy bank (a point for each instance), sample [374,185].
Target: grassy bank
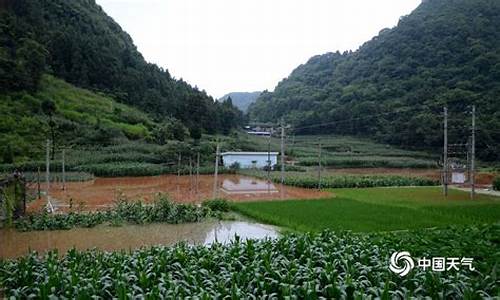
[376,209]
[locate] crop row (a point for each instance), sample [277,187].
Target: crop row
[308,180]
[162,210]
[57,176]
[296,266]
[368,162]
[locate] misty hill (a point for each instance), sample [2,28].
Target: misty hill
[242,100]
[394,87]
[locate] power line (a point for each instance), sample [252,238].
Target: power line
[407,109]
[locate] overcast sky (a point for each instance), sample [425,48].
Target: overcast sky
[225,46]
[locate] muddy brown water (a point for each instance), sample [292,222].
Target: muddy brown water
[102,192]
[16,244]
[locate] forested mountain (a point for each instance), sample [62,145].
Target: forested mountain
[394,87]
[242,100]
[76,41]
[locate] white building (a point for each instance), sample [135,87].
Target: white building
[249,159]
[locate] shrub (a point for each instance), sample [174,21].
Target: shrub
[217,205]
[496,183]
[136,212]
[235,166]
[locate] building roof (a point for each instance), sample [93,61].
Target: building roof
[249,153]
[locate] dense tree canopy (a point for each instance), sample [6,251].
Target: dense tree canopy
[76,41]
[447,52]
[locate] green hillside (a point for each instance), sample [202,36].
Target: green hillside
[79,117]
[78,42]
[393,89]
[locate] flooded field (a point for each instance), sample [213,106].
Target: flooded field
[15,244]
[101,192]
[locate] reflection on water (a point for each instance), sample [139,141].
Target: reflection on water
[247,185]
[15,244]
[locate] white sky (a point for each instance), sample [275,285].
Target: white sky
[225,46]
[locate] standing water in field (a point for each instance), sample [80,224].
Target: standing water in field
[15,244]
[100,193]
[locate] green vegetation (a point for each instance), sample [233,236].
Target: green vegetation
[347,152]
[12,198]
[306,266]
[496,183]
[376,209]
[394,87]
[161,210]
[55,35]
[217,205]
[121,96]
[134,158]
[57,176]
[310,180]
[80,116]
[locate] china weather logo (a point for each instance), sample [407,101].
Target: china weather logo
[401,263]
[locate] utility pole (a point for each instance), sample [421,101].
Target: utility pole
[473,154]
[468,159]
[190,174]
[197,172]
[179,160]
[215,195]
[38,183]
[282,152]
[63,170]
[319,164]
[47,175]
[445,153]
[269,159]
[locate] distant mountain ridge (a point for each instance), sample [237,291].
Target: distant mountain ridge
[394,87]
[242,100]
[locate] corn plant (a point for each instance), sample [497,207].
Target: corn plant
[327,265]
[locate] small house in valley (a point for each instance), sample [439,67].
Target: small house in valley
[247,160]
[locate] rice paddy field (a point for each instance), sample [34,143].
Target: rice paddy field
[377,209]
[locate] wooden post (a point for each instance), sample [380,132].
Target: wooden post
[216,171]
[319,164]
